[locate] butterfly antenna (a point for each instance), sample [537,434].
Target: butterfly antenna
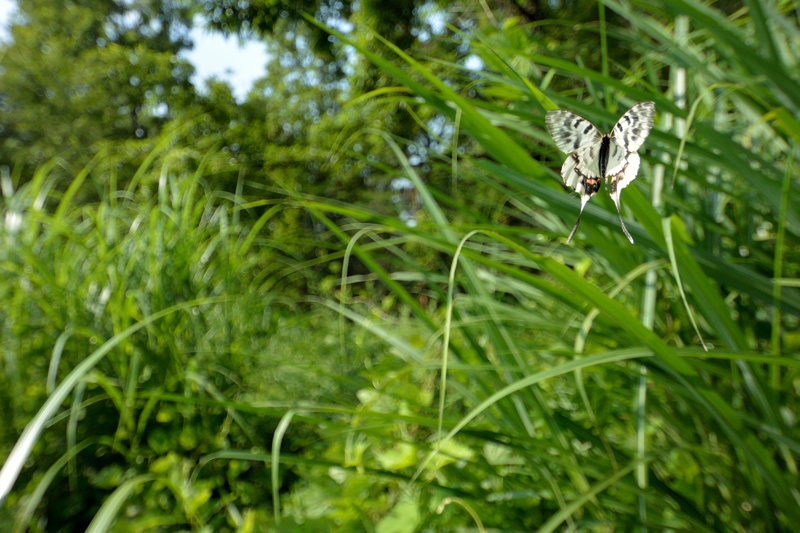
[575,227]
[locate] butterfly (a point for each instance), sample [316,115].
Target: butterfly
[594,155]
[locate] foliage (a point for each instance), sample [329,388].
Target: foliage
[83,72]
[458,368]
[738,434]
[162,398]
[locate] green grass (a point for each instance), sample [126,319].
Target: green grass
[141,309]
[468,372]
[717,229]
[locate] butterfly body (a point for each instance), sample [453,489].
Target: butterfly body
[602,157]
[595,156]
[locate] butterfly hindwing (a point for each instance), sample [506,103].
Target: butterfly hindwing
[580,173]
[620,180]
[616,158]
[595,156]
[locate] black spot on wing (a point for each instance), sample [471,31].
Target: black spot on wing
[566,138]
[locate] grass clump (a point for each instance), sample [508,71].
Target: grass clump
[153,277]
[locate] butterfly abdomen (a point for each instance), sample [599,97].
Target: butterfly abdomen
[591,184]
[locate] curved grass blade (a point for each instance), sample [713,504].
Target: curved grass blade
[109,511]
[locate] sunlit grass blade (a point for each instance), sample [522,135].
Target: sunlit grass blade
[108,512]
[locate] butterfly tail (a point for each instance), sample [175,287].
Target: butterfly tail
[575,227]
[584,200]
[624,229]
[615,197]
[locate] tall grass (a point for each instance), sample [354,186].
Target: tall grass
[721,444]
[489,373]
[149,313]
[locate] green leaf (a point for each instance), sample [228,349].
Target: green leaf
[403,518]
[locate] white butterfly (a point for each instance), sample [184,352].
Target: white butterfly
[595,155]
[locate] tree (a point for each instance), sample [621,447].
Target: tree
[80,72]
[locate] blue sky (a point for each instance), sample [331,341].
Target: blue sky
[224,58]
[213,55]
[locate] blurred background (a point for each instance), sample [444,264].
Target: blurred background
[212,54]
[302,266]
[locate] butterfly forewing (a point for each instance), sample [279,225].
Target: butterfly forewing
[594,156]
[570,131]
[634,126]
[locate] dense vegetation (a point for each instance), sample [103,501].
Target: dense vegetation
[346,303]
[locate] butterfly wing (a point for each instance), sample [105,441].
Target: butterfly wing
[633,127]
[578,137]
[620,180]
[580,173]
[570,131]
[628,134]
